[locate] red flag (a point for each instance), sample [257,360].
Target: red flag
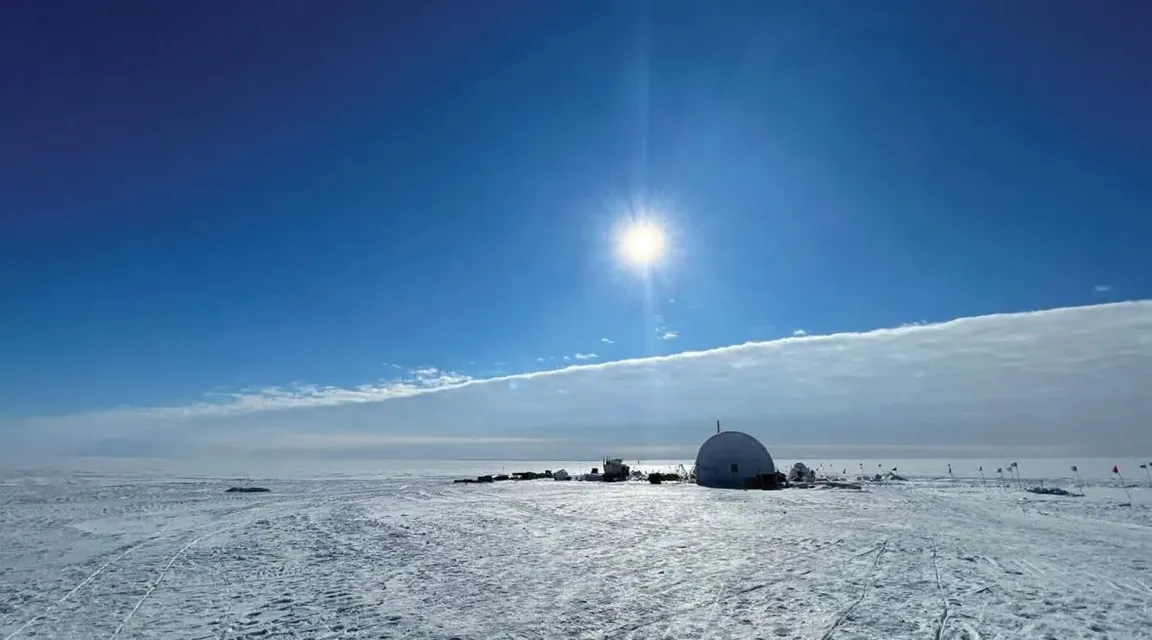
[1115,469]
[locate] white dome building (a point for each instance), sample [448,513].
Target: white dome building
[729,458]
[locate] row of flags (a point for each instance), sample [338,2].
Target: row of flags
[1016,466]
[1146,466]
[1115,468]
[1000,469]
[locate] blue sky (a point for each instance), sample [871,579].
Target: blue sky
[219,197]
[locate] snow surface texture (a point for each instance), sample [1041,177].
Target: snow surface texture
[105,556]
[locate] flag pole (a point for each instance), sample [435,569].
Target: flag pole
[1123,485]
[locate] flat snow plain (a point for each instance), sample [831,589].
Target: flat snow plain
[130,556]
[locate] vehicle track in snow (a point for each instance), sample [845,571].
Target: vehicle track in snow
[844,613]
[87,580]
[945,611]
[43,614]
[728,590]
[364,559]
[167,567]
[51,613]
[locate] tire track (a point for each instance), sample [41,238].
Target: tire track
[863,593]
[42,606]
[946,612]
[92,576]
[725,591]
[164,572]
[48,610]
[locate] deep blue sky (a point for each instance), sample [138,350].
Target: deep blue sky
[205,196]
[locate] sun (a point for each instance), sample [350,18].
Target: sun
[641,244]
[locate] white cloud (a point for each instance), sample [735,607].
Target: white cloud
[586,356]
[799,333]
[607,341]
[669,334]
[540,359]
[566,358]
[1067,379]
[1103,288]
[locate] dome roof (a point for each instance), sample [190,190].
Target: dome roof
[728,458]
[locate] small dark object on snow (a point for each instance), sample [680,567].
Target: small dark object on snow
[855,486]
[1051,491]
[767,481]
[517,475]
[247,490]
[657,477]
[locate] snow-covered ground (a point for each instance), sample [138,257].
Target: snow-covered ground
[116,556]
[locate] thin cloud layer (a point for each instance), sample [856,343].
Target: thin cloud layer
[1072,379]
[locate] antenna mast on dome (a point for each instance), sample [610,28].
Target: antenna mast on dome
[717,426]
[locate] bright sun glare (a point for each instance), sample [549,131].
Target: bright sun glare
[641,244]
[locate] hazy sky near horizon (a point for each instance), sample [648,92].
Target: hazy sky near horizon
[393,228]
[1065,380]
